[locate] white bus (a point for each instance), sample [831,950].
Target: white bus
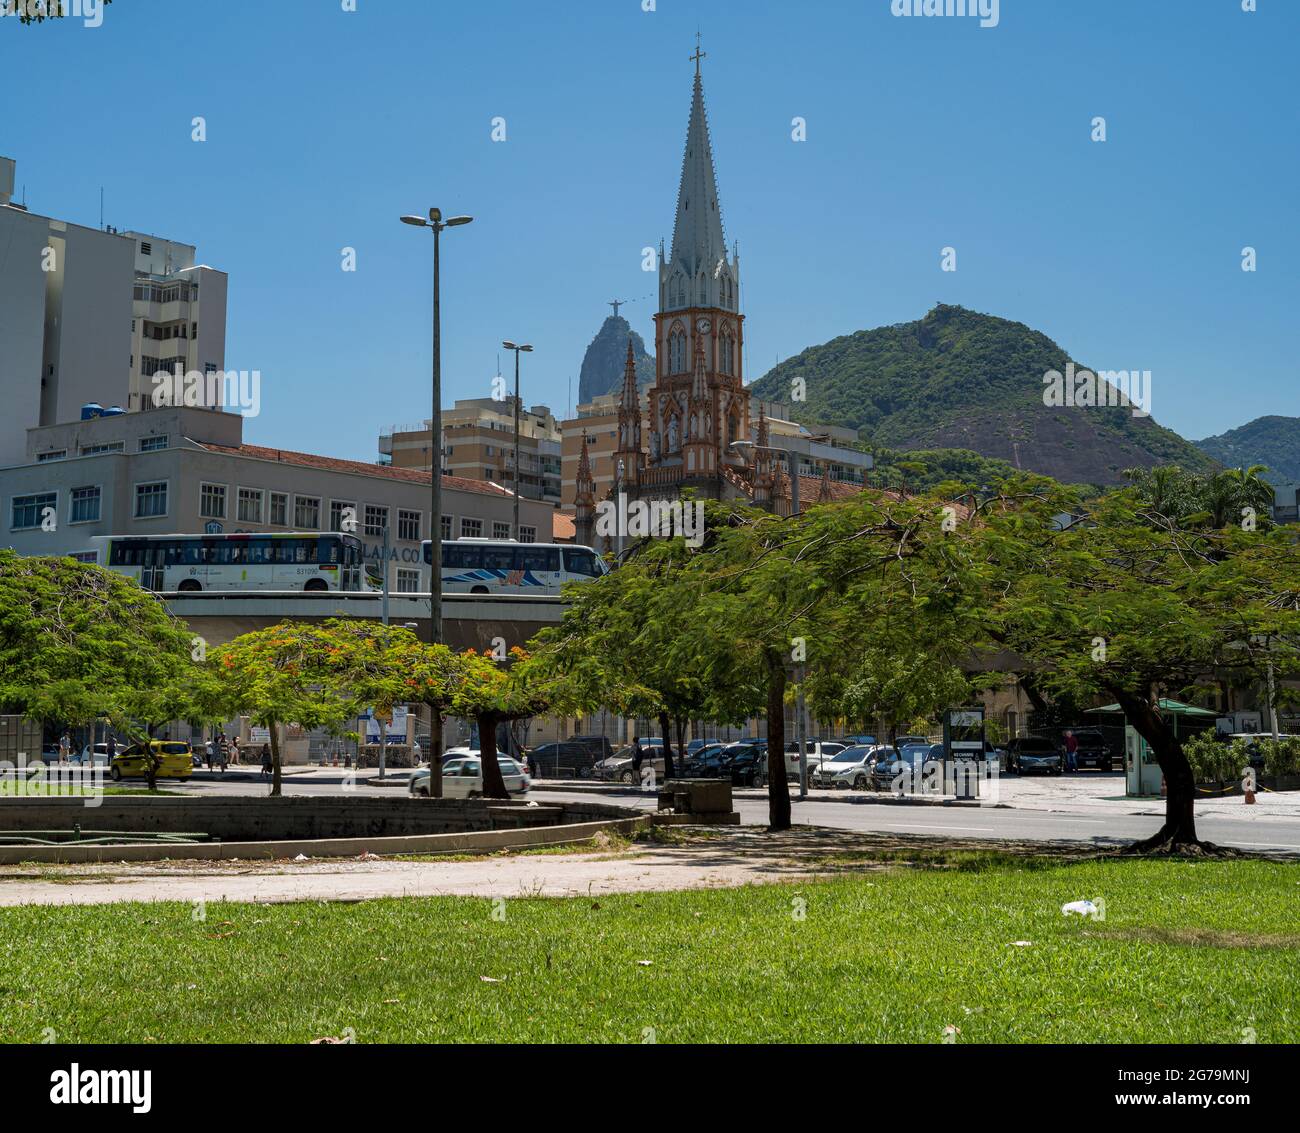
[491,566]
[291,560]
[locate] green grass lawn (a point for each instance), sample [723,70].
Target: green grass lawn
[1188,952]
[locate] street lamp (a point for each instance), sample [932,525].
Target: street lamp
[437,224]
[527,349]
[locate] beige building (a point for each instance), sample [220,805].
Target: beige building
[478,444]
[188,471]
[819,447]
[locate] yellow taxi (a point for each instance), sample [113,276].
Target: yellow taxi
[174,759]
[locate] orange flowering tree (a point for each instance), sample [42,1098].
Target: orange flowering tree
[315,675]
[490,692]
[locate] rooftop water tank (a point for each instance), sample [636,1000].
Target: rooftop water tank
[113,411]
[91,411]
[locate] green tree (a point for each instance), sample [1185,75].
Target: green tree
[1114,606]
[313,675]
[79,642]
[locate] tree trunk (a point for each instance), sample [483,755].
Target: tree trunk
[494,786]
[666,728]
[681,746]
[435,752]
[276,778]
[778,786]
[1178,834]
[1030,687]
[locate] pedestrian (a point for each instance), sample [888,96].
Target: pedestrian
[210,752]
[65,746]
[266,759]
[234,750]
[223,757]
[1071,751]
[223,749]
[636,757]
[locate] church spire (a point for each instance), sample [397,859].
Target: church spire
[698,241]
[631,398]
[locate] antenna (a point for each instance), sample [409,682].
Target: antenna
[101,208]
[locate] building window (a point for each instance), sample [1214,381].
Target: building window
[95,450]
[29,511]
[85,505]
[151,500]
[343,515]
[527,534]
[250,505]
[471,528]
[376,519]
[56,454]
[212,501]
[500,530]
[146,248]
[446,526]
[408,526]
[153,444]
[306,513]
[408,581]
[279,516]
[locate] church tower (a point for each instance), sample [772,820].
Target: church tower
[629,452]
[698,404]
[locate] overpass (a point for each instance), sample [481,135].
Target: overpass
[469,621]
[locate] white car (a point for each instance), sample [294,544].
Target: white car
[816,751]
[99,757]
[850,767]
[462,777]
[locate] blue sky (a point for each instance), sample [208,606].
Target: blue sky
[324,126]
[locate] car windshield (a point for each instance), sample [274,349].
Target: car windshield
[851,755]
[174,749]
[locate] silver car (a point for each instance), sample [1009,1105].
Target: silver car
[463,778]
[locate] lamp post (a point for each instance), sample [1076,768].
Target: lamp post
[526,348]
[437,224]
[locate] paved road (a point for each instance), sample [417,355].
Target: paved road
[1115,826]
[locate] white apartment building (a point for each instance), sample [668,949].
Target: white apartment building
[65,319]
[178,315]
[88,316]
[179,470]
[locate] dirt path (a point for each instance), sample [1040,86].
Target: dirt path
[701,859]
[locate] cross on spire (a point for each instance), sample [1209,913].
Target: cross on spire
[698,53]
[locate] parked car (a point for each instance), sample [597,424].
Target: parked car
[687,767]
[174,758]
[746,763]
[1034,753]
[908,759]
[97,758]
[707,762]
[567,759]
[1093,750]
[815,751]
[599,746]
[462,778]
[618,768]
[851,767]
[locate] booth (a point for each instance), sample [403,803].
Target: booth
[1142,775]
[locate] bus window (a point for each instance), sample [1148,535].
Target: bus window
[462,556]
[539,558]
[303,549]
[581,561]
[327,550]
[499,558]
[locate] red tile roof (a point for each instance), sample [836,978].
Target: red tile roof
[356,467]
[563,528]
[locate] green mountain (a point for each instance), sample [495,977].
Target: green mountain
[1272,441]
[958,379]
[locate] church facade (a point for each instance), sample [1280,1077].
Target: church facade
[698,406]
